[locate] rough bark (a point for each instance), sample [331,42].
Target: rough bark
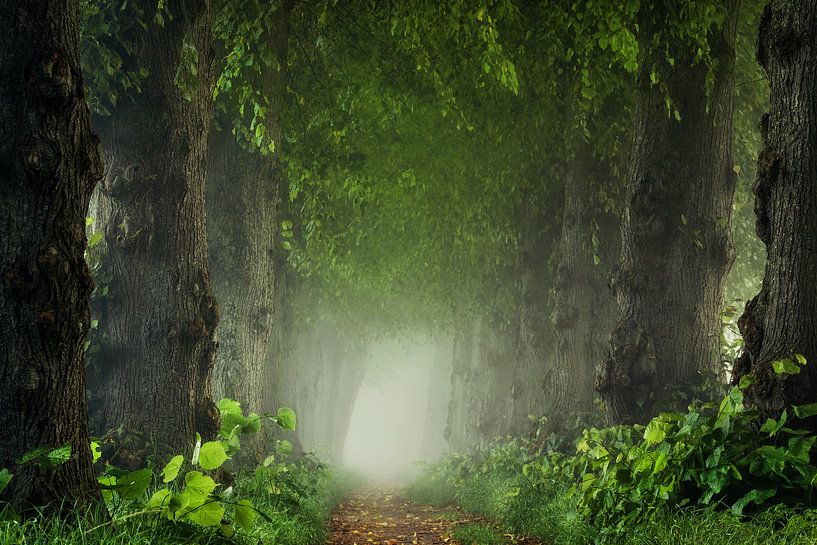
[676,238]
[160,316]
[585,306]
[49,164]
[244,196]
[782,319]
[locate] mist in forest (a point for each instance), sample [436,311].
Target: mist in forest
[387,429]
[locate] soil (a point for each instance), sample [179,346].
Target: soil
[379,515]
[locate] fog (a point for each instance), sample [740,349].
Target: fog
[386,432]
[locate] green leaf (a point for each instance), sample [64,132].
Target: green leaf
[208,513]
[286,418]
[654,433]
[212,455]
[133,485]
[5,478]
[253,424]
[229,406]
[171,470]
[96,453]
[198,485]
[160,499]
[746,381]
[284,448]
[95,239]
[245,514]
[786,366]
[805,411]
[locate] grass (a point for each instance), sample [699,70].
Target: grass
[296,518]
[547,513]
[431,490]
[476,534]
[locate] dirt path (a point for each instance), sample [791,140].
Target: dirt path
[377,515]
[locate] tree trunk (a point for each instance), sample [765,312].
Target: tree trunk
[481,384]
[676,239]
[584,303]
[782,319]
[245,189]
[49,164]
[439,392]
[160,315]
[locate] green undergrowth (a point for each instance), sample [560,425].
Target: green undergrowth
[476,534]
[205,496]
[296,506]
[717,474]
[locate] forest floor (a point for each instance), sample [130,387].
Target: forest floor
[380,515]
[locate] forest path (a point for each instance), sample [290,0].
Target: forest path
[379,515]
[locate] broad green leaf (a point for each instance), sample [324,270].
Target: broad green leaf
[5,478]
[245,514]
[286,418]
[746,381]
[198,485]
[805,411]
[253,424]
[160,499]
[284,448]
[655,432]
[212,455]
[96,453]
[133,485]
[786,366]
[171,470]
[209,513]
[229,406]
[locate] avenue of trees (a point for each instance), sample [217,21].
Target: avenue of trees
[234,198]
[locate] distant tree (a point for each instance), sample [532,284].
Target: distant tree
[781,321]
[49,164]
[676,240]
[159,316]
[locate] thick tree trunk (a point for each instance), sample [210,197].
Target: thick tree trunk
[782,319]
[49,164]
[244,197]
[585,307]
[676,239]
[160,316]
